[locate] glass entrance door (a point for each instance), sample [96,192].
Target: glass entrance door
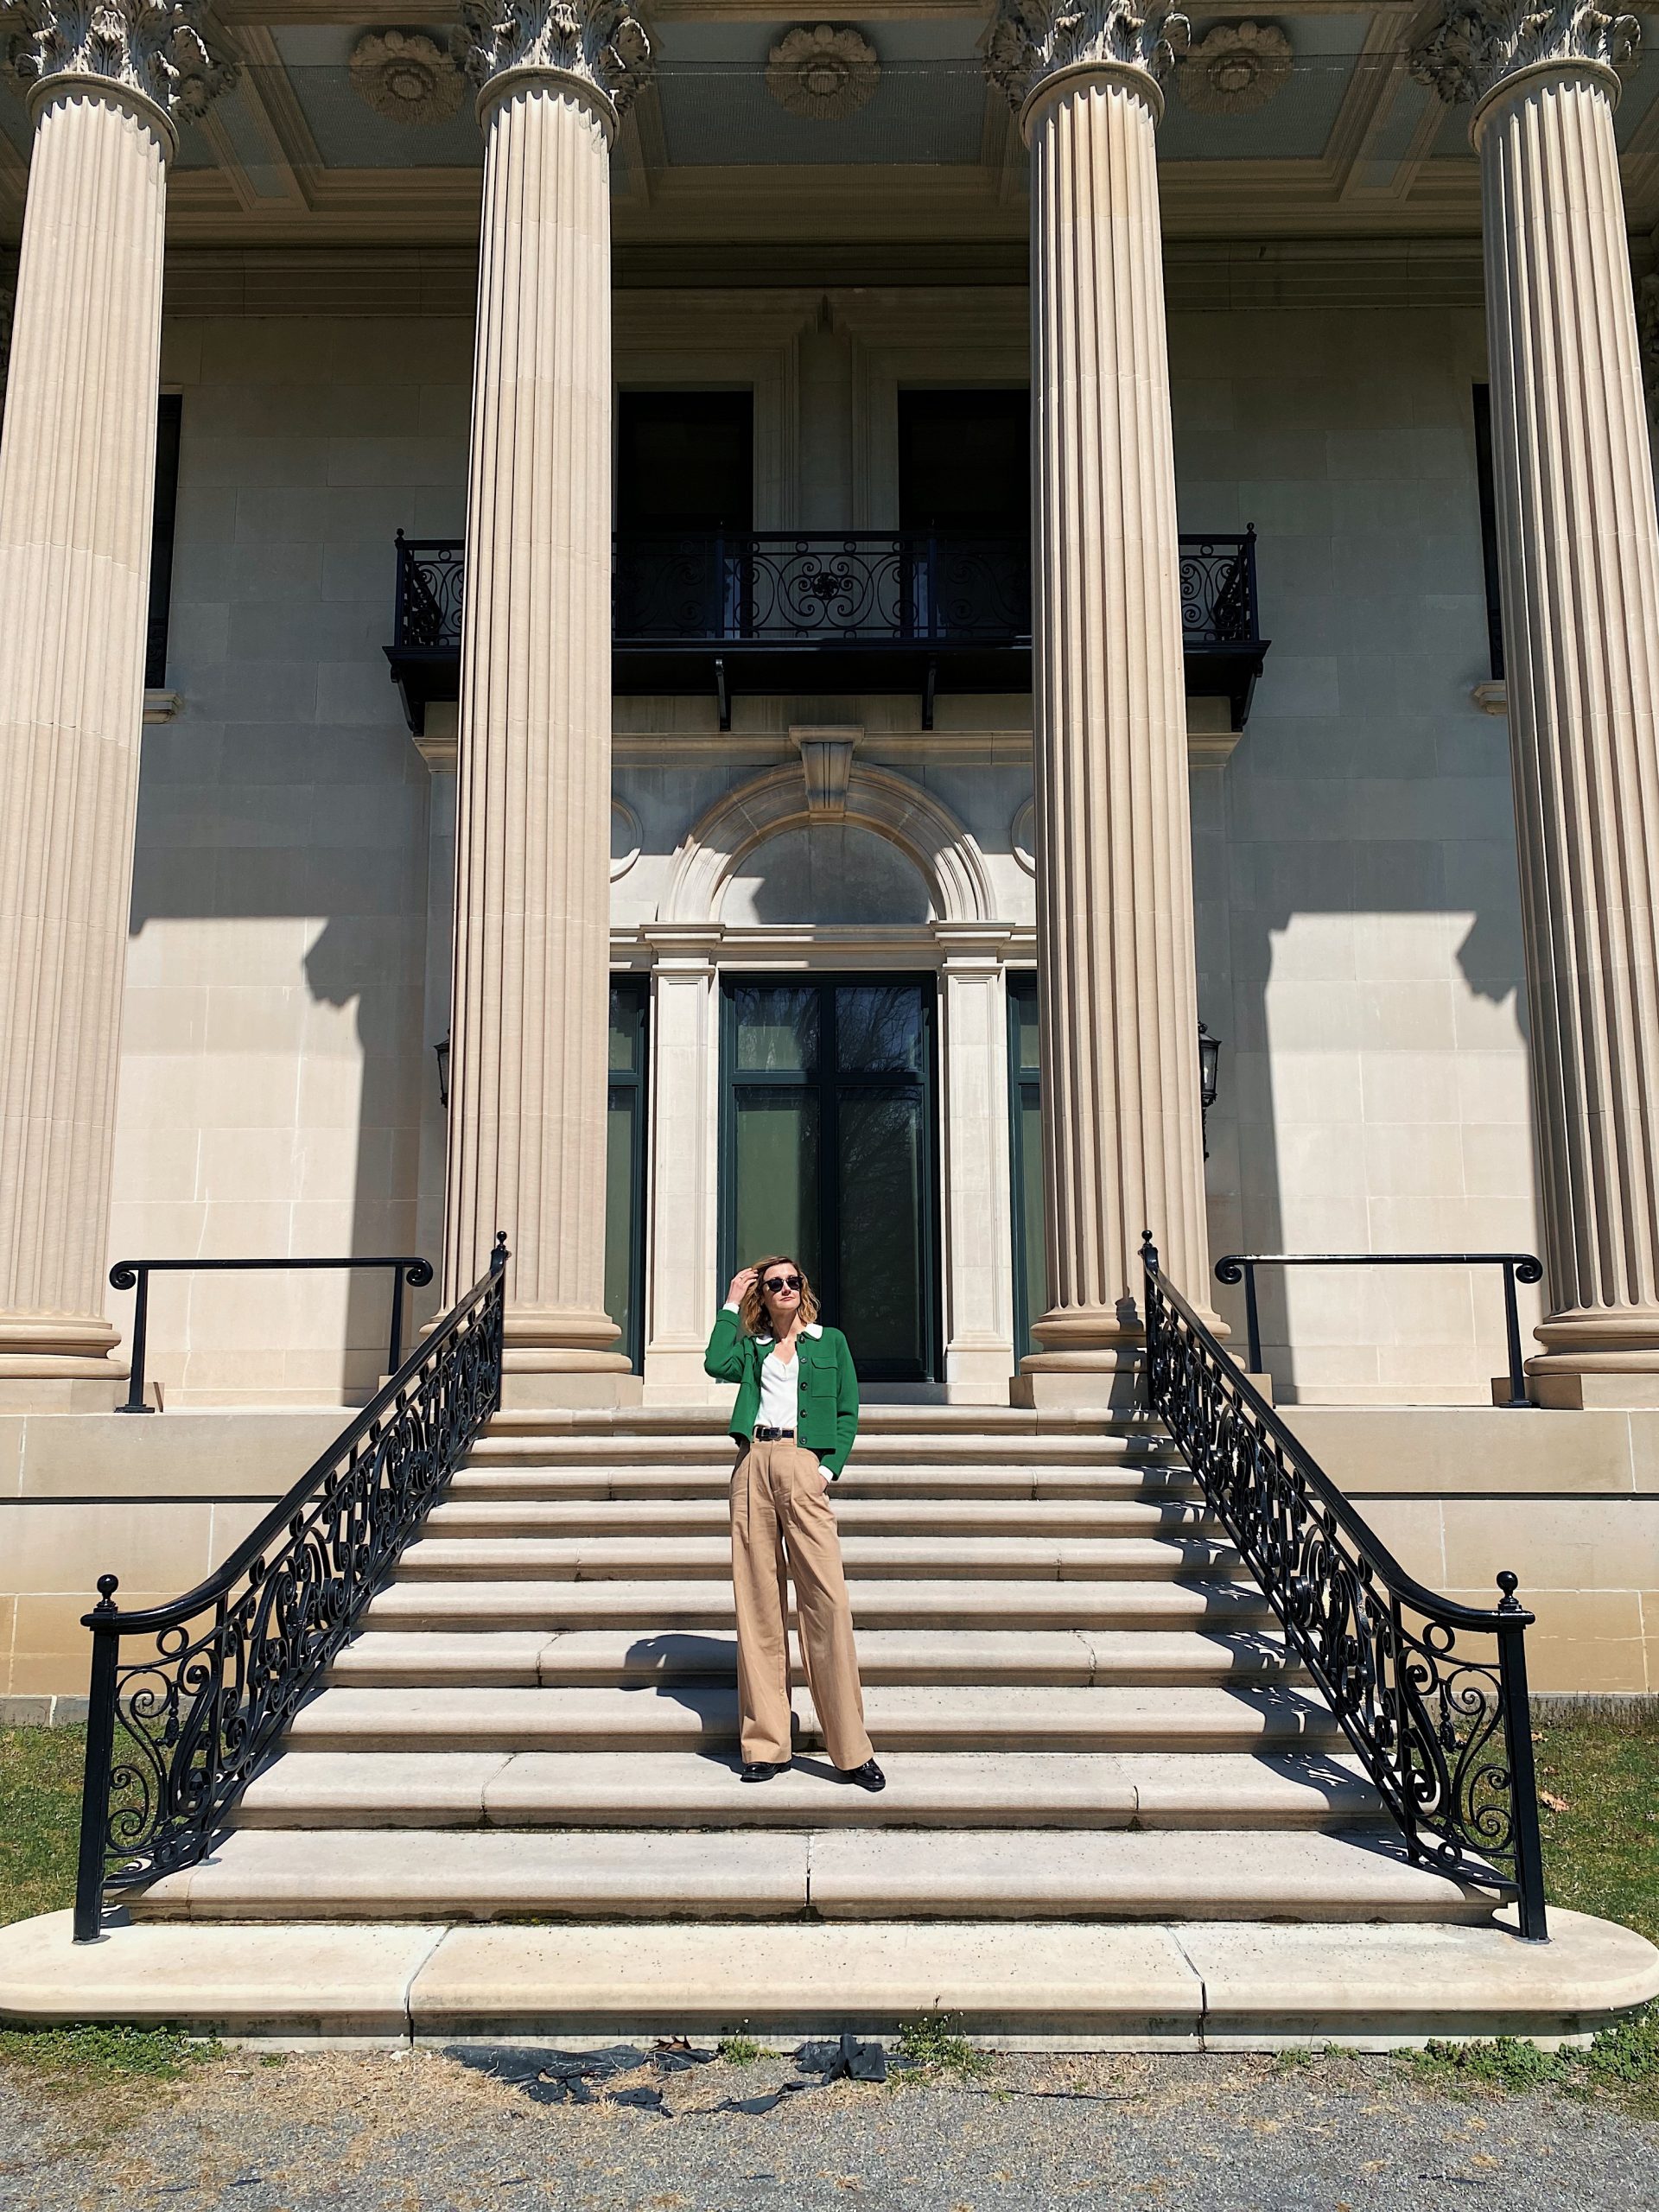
[828,1151]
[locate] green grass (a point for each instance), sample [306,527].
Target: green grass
[39,1819]
[740,2051]
[1601,1855]
[73,2055]
[933,2046]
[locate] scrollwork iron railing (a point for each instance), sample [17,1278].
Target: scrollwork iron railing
[177,1731]
[1432,1695]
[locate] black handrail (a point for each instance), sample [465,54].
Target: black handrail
[126,1274]
[175,1735]
[1518,1267]
[1446,1739]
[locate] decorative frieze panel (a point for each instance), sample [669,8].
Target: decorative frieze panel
[1235,69]
[158,48]
[406,77]
[1031,40]
[1480,42]
[823,74]
[596,42]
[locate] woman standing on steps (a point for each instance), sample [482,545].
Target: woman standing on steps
[794,1421]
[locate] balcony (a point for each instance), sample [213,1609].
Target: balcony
[716,613]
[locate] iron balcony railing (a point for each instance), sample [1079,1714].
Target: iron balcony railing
[1432,1694]
[188,1700]
[718,611]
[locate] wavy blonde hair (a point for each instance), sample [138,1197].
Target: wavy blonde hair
[752,1311]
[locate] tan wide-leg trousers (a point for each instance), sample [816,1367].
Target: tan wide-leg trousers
[782,1525]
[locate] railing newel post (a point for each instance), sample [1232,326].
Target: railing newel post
[104,1620]
[140,1272]
[396,1347]
[1252,1318]
[1512,1339]
[1523,1774]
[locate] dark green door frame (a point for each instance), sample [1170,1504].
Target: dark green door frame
[1026,1159]
[830,1090]
[625,1165]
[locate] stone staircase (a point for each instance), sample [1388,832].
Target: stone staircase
[1116,1813]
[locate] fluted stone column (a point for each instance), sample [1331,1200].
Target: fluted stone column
[77,487]
[1122,1137]
[1579,546]
[528,1080]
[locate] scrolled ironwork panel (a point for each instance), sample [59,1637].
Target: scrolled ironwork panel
[213,1684]
[1421,1687]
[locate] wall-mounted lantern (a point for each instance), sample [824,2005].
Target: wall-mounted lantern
[440,1052]
[1209,1076]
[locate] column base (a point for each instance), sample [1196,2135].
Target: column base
[527,1387]
[59,1363]
[1596,1359]
[1105,1377]
[561,1356]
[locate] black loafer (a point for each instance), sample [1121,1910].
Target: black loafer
[763,1769]
[868,1776]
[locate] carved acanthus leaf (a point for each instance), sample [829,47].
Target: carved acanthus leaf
[597,41]
[159,47]
[1480,42]
[1033,39]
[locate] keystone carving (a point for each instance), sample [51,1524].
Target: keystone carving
[406,77]
[596,42]
[1234,69]
[1480,42]
[823,75]
[1033,39]
[158,48]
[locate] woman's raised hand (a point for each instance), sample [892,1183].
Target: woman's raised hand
[742,1282]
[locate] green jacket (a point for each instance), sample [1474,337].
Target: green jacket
[827,1421]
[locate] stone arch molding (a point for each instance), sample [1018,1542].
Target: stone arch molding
[893,807]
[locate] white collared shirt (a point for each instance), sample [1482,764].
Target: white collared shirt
[780,1382]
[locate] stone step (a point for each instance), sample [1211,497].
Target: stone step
[835,1874]
[1040,1427]
[900,1717]
[855,1515]
[1281,1790]
[618,1657]
[978,1559]
[962,1448]
[1016,1985]
[656,1607]
[1139,1479]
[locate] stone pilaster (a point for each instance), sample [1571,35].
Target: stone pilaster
[978,1217]
[528,1084]
[683,1287]
[1122,1128]
[77,487]
[1578,548]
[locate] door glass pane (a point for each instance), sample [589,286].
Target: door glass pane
[879,1030]
[776,1164]
[1032,1260]
[882,1225]
[620,1185]
[777,1030]
[1024,995]
[627,1027]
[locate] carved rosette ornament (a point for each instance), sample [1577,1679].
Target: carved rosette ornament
[406,77]
[823,74]
[156,48]
[1235,69]
[1034,40]
[1481,42]
[597,43]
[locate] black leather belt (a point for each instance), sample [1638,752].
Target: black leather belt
[771,1435]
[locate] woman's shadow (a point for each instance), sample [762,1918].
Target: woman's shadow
[699,1673]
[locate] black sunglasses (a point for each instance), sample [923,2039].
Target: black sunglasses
[775,1283]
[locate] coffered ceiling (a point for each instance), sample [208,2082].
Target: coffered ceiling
[349,126]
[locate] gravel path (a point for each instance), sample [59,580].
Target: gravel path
[398,2133]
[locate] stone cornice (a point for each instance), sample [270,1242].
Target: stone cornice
[596,42]
[157,48]
[1479,43]
[1032,41]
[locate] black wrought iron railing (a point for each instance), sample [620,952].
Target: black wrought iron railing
[188,1700]
[134,1274]
[712,608]
[1432,1695]
[1517,1267]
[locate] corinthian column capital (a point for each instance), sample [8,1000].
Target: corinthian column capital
[1032,41]
[156,48]
[1480,43]
[596,43]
